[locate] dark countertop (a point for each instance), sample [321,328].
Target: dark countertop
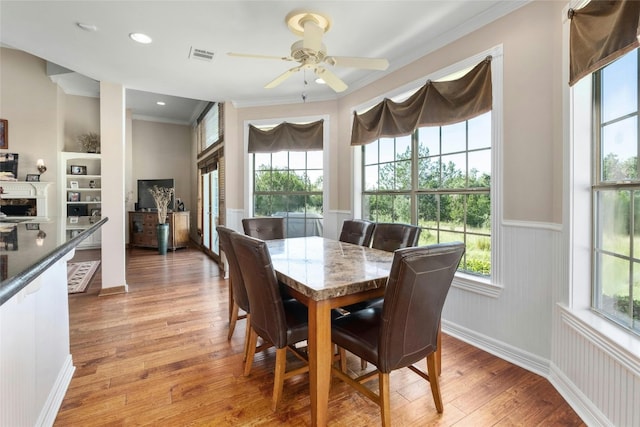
[29,247]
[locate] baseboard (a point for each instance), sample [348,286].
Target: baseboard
[114,290]
[518,357]
[576,399]
[56,396]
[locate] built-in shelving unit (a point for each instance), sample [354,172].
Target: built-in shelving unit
[81,190]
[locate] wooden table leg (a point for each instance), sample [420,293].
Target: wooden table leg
[320,358]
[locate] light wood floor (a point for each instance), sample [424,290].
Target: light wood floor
[159,355]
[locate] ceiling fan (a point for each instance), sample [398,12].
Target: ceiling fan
[311,53]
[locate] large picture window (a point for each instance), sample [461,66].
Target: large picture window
[440,179]
[616,192]
[290,184]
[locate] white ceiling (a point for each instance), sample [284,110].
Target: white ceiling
[400,31]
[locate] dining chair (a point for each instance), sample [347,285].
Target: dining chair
[238,298]
[388,237]
[392,236]
[264,228]
[357,231]
[404,329]
[281,322]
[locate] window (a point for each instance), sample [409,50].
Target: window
[290,184]
[440,179]
[210,129]
[616,192]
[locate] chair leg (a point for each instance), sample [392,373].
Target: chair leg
[432,369]
[247,334]
[363,364]
[278,381]
[343,359]
[251,351]
[385,404]
[231,300]
[234,318]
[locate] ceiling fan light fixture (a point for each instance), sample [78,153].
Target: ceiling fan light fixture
[320,81]
[296,20]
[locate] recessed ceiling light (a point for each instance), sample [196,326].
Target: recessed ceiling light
[140,38]
[161,103]
[87,27]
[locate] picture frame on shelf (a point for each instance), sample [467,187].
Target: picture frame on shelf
[32,226]
[73,184]
[73,220]
[4,134]
[78,170]
[73,196]
[33,177]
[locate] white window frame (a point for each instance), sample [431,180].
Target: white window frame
[619,342]
[490,286]
[248,160]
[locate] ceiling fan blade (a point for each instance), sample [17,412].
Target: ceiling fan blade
[355,62]
[331,79]
[282,77]
[312,35]
[250,55]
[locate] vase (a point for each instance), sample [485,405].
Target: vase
[163,238]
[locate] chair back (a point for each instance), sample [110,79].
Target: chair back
[237,283]
[264,228]
[267,310]
[418,284]
[390,237]
[357,231]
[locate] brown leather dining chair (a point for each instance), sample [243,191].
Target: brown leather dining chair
[404,329]
[391,236]
[357,231]
[264,228]
[388,237]
[239,299]
[282,323]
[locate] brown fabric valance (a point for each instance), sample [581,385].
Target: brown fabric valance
[600,33]
[435,104]
[286,137]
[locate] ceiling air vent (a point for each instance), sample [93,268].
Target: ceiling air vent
[201,54]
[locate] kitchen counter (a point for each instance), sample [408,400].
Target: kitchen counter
[36,365]
[30,246]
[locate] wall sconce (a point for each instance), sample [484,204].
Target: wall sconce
[41,167]
[40,238]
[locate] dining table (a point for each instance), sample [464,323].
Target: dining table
[325,274]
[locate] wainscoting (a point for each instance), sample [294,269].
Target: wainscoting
[530,324]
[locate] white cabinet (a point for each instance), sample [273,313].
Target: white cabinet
[81,191]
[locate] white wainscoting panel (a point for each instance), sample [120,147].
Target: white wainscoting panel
[520,316]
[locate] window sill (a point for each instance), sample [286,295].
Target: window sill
[468,282]
[621,345]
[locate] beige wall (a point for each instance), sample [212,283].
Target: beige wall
[30,101]
[531,38]
[163,150]
[81,116]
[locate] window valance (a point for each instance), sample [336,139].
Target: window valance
[600,33]
[286,137]
[435,104]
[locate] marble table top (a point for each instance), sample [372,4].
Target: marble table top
[323,268]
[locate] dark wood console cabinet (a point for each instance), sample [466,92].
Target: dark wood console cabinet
[142,229]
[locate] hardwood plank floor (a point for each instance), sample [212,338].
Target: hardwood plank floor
[159,355]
